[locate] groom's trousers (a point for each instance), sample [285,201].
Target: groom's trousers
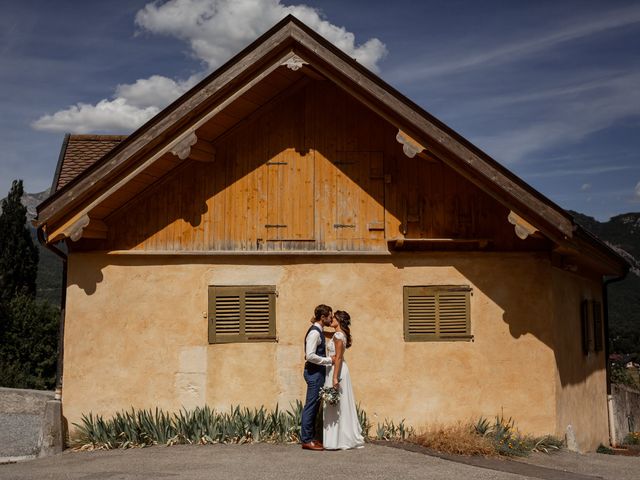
[315,381]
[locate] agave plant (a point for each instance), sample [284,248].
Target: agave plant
[364,421]
[388,430]
[202,425]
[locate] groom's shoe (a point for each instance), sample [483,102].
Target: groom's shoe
[312,445]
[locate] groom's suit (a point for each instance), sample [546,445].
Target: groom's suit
[314,373]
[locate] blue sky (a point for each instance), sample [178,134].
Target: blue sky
[549,89]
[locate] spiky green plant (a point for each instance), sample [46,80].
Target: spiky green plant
[508,441]
[388,430]
[365,424]
[202,425]
[482,426]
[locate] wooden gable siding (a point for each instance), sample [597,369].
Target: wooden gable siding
[315,171]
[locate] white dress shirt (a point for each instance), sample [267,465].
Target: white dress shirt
[313,340]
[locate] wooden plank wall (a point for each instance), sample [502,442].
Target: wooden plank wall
[315,171]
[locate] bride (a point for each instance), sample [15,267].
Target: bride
[342,428]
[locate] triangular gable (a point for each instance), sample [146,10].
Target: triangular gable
[292,44]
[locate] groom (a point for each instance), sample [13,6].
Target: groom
[314,372]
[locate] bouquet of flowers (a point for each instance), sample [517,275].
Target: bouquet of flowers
[329,395]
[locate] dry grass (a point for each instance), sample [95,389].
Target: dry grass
[457,439]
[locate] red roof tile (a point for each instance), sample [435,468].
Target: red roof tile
[80,153]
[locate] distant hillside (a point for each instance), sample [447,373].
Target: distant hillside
[622,232]
[50,266]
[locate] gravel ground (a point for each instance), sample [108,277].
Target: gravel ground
[614,467]
[284,462]
[246,462]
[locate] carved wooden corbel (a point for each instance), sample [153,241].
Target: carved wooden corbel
[182,149]
[74,231]
[80,227]
[522,228]
[410,146]
[294,62]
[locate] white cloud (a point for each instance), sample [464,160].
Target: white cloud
[131,106]
[214,30]
[107,115]
[637,191]
[585,187]
[156,91]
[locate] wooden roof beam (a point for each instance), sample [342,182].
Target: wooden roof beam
[80,226]
[180,144]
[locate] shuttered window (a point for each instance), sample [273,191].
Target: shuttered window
[437,313]
[591,326]
[242,314]
[585,326]
[598,340]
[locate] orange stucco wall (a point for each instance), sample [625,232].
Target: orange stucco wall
[136,335]
[581,379]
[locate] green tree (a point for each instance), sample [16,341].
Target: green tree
[28,328]
[18,254]
[28,353]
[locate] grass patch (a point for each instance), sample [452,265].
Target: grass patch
[487,438]
[460,439]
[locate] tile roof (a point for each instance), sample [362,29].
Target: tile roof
[79,153]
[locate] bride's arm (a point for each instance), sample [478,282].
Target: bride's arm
[338,363]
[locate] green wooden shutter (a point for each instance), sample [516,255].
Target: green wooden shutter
[260,314]
[453,312]
[598,340]
[420,312]
[436,313]
[241,314]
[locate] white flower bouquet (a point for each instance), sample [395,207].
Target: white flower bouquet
[329,395]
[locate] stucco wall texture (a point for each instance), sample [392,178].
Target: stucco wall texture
[136,335]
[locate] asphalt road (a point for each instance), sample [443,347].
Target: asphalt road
[273,462]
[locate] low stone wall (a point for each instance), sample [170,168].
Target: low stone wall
[30,424]
[626,411]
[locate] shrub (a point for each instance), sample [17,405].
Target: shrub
[459,439]
[484,437]
[605,450]
[622,376]
[632,438]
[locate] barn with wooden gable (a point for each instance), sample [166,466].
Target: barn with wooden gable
[199,245]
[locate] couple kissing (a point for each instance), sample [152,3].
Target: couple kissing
[325,370]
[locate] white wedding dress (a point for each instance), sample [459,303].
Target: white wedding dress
[342,429]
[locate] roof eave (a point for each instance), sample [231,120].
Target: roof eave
[281,27]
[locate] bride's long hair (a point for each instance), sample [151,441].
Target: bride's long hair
[344,319]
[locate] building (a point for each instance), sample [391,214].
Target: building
[199,245]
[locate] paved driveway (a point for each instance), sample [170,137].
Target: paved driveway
[260,461]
